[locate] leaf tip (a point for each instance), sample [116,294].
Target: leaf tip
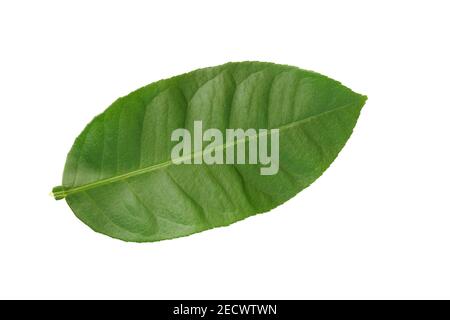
[362,99]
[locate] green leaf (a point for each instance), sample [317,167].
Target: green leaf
[120,180]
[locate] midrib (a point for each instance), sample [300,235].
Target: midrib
[64,193]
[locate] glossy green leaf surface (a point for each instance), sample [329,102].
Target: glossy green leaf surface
[119,178]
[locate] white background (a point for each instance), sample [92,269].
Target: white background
[375,225]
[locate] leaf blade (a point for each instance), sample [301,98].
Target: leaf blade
[236,95]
